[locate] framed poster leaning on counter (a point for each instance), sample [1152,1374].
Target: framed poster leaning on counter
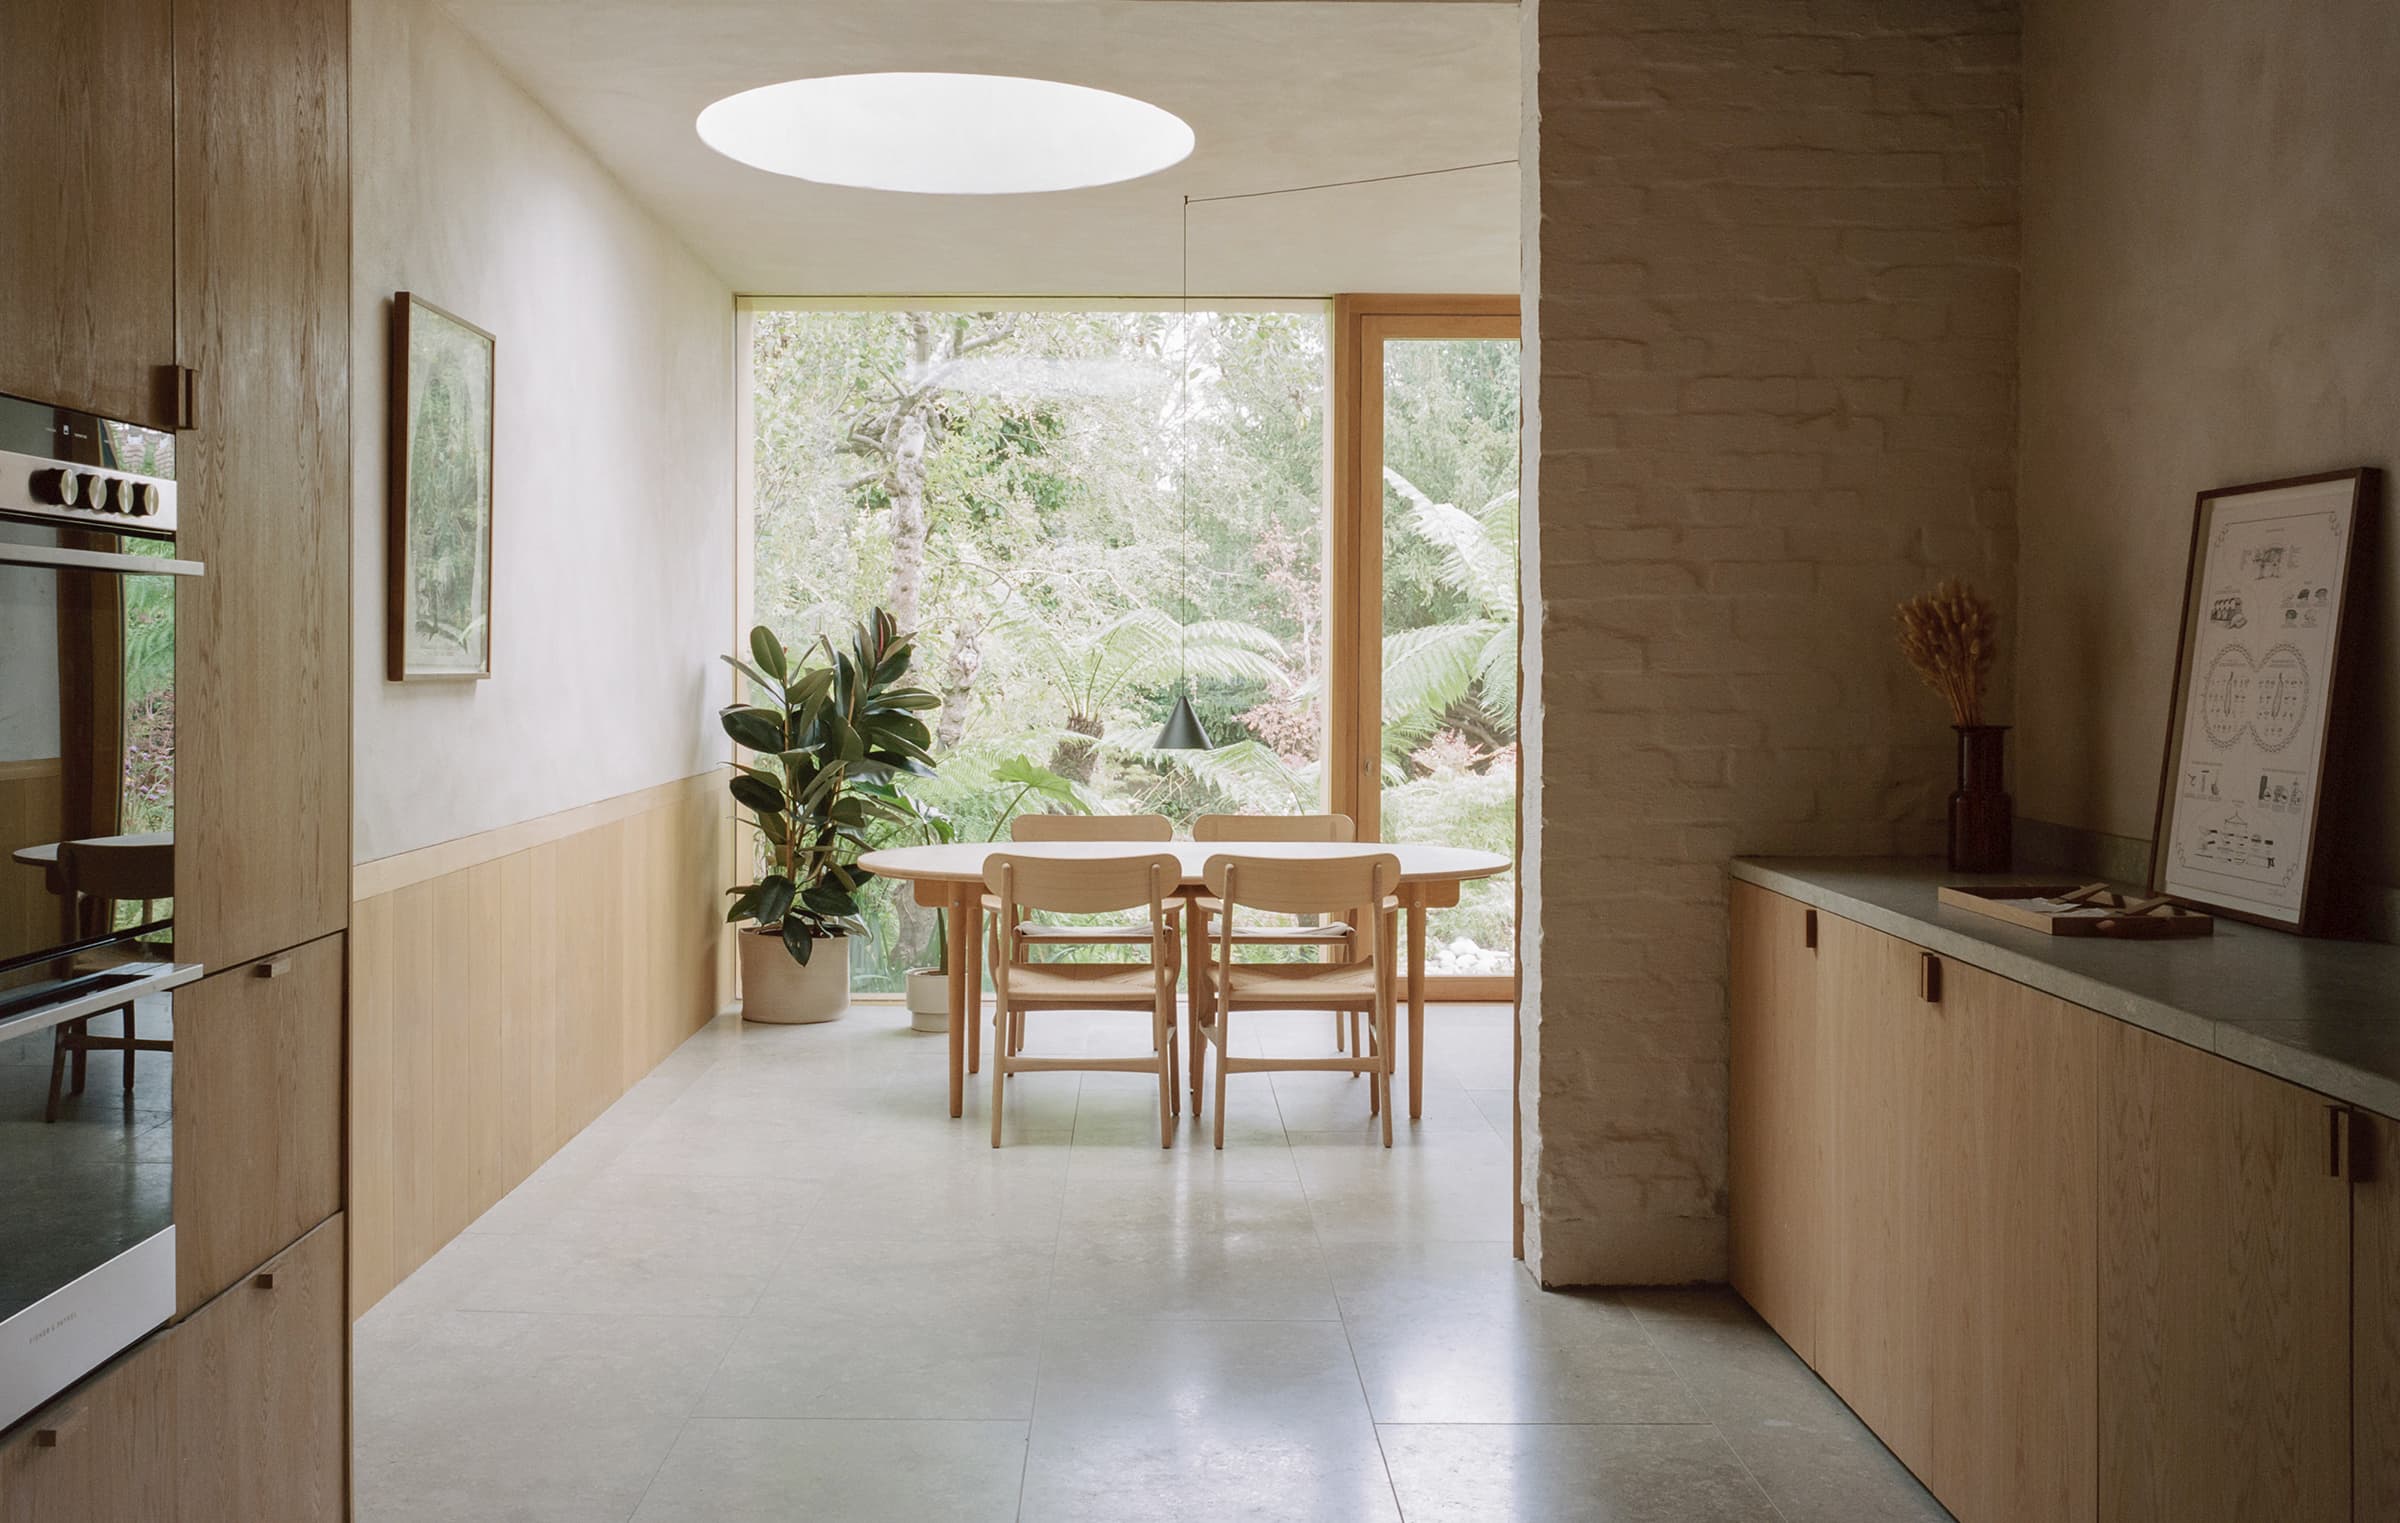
[2256,671]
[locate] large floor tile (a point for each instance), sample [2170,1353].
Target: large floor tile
[1571,1474]
[921,1362]
[591,1263]
[1148,1468]
[1229,1376]
[1404,1280]
[909,1277]
[748,1470]
[480,1415]
[1250,1274]
[1581,1359]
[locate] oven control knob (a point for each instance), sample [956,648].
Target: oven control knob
[106,495]
[141,498]
[61,488]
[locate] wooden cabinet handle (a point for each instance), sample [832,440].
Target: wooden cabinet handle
[275,967]
[2337,1141]
[263,1280]
[1929,978]
[58,1429]
[1808,929]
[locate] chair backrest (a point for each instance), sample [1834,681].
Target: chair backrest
[1274,827]
[1083,885]
[1303,885]
[1091,827]
[120,869]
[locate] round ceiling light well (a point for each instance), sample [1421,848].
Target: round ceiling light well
[945,134]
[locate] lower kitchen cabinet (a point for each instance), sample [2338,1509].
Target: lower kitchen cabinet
[1776,1146]
[2375,1318]
[260,1382]
[258,1113]
[104,1453]
[2224,1292]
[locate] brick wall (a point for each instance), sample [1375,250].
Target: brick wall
[1771,309]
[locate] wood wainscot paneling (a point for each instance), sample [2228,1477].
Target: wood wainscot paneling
[506,989]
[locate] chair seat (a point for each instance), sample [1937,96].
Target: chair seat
[1332,933]
[1079,982]
[1305,984]
[1046,934]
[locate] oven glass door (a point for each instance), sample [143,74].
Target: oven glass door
[87,750]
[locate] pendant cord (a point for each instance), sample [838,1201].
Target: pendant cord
[1183,470]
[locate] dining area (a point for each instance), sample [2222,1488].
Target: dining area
[1251,915]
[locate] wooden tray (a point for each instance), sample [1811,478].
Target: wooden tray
[2070,909]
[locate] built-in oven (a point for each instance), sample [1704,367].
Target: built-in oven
[89,575]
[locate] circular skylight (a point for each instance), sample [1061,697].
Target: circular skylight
[945,134]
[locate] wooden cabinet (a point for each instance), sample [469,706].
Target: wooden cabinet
[2375,1319]
[87,205]
[263,315]
[1776,1144]
[258,1113]
[104,1451]
[2224,1292]
[261,1376]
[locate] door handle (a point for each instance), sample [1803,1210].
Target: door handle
[1929,978]
[1808,930]
[2337,1141]
[275,967]
[59,1428]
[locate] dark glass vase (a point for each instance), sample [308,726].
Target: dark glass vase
[1981,815]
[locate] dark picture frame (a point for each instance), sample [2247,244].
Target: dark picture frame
[2260,650]
[438,572]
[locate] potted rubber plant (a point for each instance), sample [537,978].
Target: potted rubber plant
[827,737]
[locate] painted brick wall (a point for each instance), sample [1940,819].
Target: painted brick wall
[1771,286]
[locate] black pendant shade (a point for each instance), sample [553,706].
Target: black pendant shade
[1182,730]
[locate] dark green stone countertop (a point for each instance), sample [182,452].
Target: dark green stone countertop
[2319,1013]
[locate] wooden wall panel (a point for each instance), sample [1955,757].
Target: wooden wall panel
[498,1006]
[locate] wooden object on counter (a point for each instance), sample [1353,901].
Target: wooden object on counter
[2089,909]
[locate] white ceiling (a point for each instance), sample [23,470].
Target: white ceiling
[1279,93]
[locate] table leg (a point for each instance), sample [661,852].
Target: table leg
[1416,1005]
[971,909]
[957,960]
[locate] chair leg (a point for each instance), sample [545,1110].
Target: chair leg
[1162,1033]
[1356,1027]
[1223,1049]
[58,1067]
[1384,1019]
[1339,1025]
[1195,978]
[999,1066]
[130,1049]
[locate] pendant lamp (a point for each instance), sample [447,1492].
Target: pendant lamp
[1182,730]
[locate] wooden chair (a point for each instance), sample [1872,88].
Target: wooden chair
[100,875]
[1082,827]
[1287,886]
[1022,984]
[1335,828]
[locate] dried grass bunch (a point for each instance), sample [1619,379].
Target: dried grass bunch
[1950,635]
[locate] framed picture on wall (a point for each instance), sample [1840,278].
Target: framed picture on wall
[2257,671]
[438,599]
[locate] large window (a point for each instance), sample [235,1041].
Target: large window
[1013,487]
[1080,513]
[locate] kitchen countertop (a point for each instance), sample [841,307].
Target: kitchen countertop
[2319,1013]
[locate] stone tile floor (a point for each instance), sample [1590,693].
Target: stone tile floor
[775,1281]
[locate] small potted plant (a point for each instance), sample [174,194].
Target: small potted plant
[927,987]
[827,739]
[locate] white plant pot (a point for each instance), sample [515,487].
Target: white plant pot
[928,1000]
[781,992]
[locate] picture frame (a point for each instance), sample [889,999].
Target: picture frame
[438,593]
[2258,669]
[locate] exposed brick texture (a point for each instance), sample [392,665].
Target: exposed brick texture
[1771,297]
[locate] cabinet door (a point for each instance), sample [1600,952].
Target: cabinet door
[258,1114]
[2224,1283]
[263,653]
[102,1452]
[260,1394]
[2375,1313]
[1875,1333]
[87,198]
[1776,1119]
[2013,1118]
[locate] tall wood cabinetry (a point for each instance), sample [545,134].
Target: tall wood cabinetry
[175,228]
[2064,1268]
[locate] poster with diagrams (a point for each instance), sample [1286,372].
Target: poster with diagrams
[2263,617]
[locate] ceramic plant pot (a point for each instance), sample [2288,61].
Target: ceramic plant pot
[928,1000]
[781,992]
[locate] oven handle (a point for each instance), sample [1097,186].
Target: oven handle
[161,977]
[96,560]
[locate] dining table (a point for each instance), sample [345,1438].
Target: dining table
[949,877]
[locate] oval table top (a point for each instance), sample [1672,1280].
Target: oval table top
[962,862]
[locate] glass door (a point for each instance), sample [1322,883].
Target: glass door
[1427,498]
